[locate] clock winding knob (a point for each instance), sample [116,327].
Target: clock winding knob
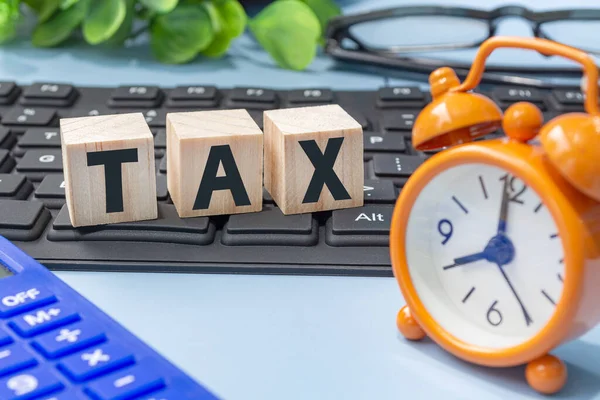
[522,121]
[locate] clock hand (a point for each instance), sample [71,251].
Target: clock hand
[528,319]
[467,259]
[503,207]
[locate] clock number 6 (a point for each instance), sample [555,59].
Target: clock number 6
[445,229]
[493,315]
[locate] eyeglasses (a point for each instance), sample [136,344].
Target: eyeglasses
[386,37]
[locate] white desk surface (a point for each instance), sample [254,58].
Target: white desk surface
[286,337]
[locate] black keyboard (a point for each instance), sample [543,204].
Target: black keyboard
[342,242]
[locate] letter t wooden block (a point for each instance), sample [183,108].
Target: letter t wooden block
[313,159]
[109,169]
[214,162]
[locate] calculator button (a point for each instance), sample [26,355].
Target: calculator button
[15,358]
[30,384]
[23,298]
[69,339]
[127,384]
[96,361]
[5,338]
[43,320]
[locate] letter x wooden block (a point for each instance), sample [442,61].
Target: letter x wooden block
[108,163]
[313,159]
[214,162]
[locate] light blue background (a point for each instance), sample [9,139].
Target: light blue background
[287,337]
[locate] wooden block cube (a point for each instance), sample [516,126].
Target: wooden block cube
[313,159]
[214,162]
[108,162]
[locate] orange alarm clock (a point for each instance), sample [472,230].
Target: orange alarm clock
[495,244]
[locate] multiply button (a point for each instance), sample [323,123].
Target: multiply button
[126,384]
[95,361]
[30,384]
[44,320]
[15,358]
[23,299]
[69,339]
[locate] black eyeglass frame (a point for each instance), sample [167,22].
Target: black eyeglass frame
[338,31]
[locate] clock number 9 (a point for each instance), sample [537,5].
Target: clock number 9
[445,229]
[493,315]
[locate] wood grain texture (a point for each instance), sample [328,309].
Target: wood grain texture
[85,185]
[190,137]
[288,169]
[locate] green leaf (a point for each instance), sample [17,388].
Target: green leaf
[160,6]
[58,28]
[9,18]
[124,30]
[104,19]
[43,8]
[64,4]
[178,37]
[233,15]
[324,10]
[289,31]
[229,18]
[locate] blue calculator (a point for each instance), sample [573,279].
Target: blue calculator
[56,345]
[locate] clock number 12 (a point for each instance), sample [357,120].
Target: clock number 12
[511,185]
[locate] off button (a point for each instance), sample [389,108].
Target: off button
[24,298]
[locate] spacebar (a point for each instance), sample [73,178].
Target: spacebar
[168,227]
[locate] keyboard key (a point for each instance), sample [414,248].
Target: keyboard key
[15,358]
[155,118]
[8,92]
[257,116]
[36,163]
[29,116]
[400,93]
[378,142]
[162,192]
[6,139]
[568,97]
[401,120]
[30,384]
[253,95]
[22,297]
[40,137]
[53,186]
[135,93]
[95,361]
[43,320]
[126,384]
[49,94]
[5,338]
[91,111]
[516,94]
[14,186]
[395,165]
[193,93]
[379,191]
[22,220]
[362,226]
[163,165]
[167,228]
[136,96]
[359,117]
[48,91]
[6,161]
[69,339]
[270,227]
[68,395]
[310,96]
[160,141]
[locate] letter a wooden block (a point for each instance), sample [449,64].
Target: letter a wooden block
[313,159]
[109,169]
[214,162]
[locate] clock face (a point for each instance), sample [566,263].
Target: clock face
[485,256]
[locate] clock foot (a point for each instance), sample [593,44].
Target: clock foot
[408,326]
[547,374]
